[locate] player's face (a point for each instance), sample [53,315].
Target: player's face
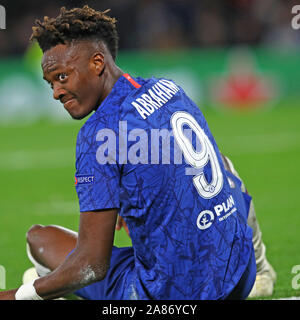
[73,74]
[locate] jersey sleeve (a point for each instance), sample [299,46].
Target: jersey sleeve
[97,172]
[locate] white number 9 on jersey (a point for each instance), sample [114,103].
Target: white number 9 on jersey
[196,159]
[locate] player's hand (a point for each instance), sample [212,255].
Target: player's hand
[8,295]
[122,224]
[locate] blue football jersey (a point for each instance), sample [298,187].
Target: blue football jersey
[148,151]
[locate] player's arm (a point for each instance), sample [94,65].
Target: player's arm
[88,263]
[8,295]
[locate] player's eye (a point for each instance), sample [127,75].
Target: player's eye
[62,76]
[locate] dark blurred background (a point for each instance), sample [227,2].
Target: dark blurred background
[156,24]
[237,54]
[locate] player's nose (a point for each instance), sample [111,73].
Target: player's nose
[58,92]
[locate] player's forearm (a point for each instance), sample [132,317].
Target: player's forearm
[8,295]
[76,272]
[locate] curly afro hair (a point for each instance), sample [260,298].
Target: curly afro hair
[77,24]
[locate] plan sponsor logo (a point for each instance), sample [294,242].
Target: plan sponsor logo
[222,211]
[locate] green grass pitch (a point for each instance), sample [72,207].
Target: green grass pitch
[37,183]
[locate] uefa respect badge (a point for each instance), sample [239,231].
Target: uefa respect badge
[83,179]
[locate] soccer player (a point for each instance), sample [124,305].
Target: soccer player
[145,154]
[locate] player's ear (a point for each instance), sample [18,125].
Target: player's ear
[97,63]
